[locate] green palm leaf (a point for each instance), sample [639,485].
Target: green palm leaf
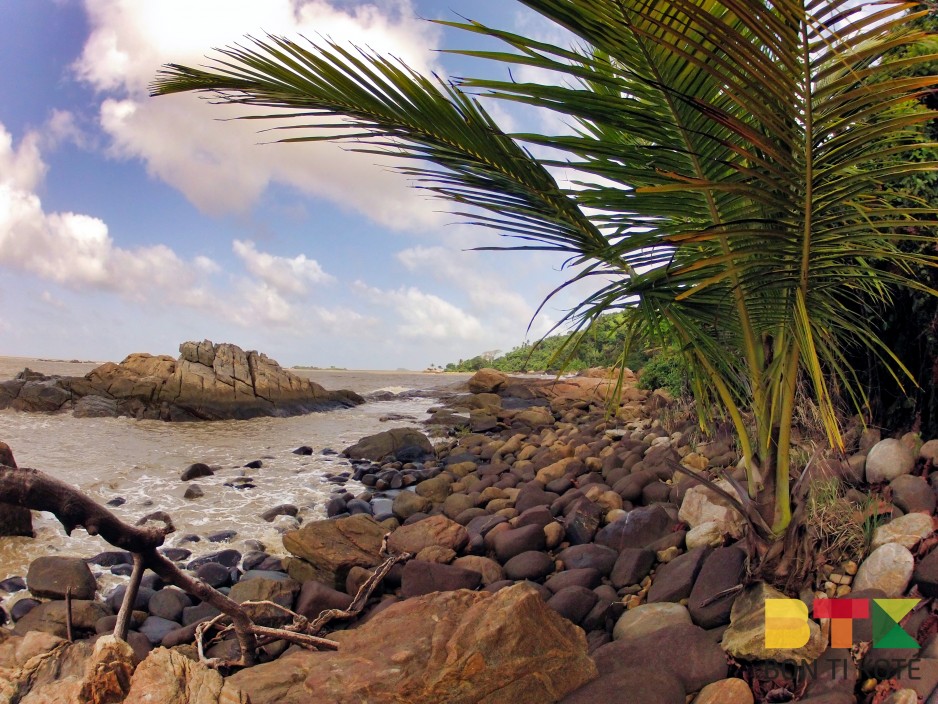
[734,165]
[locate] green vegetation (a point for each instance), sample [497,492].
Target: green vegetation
[734,174]
[600,346]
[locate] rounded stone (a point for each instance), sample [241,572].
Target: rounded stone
[51,576]
[728,691]
[573,603]
[648,618]
[887,460]
[533,565]
[905,530]
[194,471]
[889,568]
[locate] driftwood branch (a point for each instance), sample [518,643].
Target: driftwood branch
[32,489]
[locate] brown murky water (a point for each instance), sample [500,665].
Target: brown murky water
[141,461]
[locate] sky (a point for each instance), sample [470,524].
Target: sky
[131,224]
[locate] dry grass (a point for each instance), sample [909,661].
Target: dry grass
[842,529]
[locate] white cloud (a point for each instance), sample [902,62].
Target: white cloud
[76,250]
[219,166]
[286,276]
[424,315]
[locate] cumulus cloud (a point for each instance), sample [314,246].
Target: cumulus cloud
[76,250]
[219,166]
[424,315]
[281,274]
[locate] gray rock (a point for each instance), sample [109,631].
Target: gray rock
[888,568]
[887,460]
[51,576]
[156,628]
[193,491]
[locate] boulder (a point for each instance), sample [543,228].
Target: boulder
[208,382]
[316,597]
[674,580]
[329,549]
[502,647]
[912,494]
[49,617]
[744,639]
[433,531]
[487,381]
[397,444]
[723,569]
[630,685]
[169,677]
[905,530]
[703,505]
[889,568]
[648,618]
[887,460]
[196,470]
[419,578]
[682,650]
[51,576]
[69,672]
[278,591]
[638,529]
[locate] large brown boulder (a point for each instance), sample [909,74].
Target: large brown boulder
[398,444]
[433,531]
[328,549]
[71,672]
[169,677]
[487,381]
[208,382]
[458,647]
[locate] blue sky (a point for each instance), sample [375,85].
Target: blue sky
[130,223]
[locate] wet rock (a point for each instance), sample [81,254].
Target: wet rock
[400,444]
[13,584]
[117,501]
[49,617]
[421,578]
[193,491]
[110,558]
[530,654]
[214,575]
[51,576]
[223,536]
[194,471]
[254,464]
[887,460]
[169,603]
[226,558]
[888,568]
[280,510]
[303,450]
[155,628]
[23,607]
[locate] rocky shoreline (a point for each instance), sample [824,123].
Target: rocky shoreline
[558,557]
[207,382]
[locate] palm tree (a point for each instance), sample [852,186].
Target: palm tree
[734,164]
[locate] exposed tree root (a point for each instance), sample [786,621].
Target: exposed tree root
[36,490]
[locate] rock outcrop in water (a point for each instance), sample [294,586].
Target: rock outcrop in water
[208,382]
